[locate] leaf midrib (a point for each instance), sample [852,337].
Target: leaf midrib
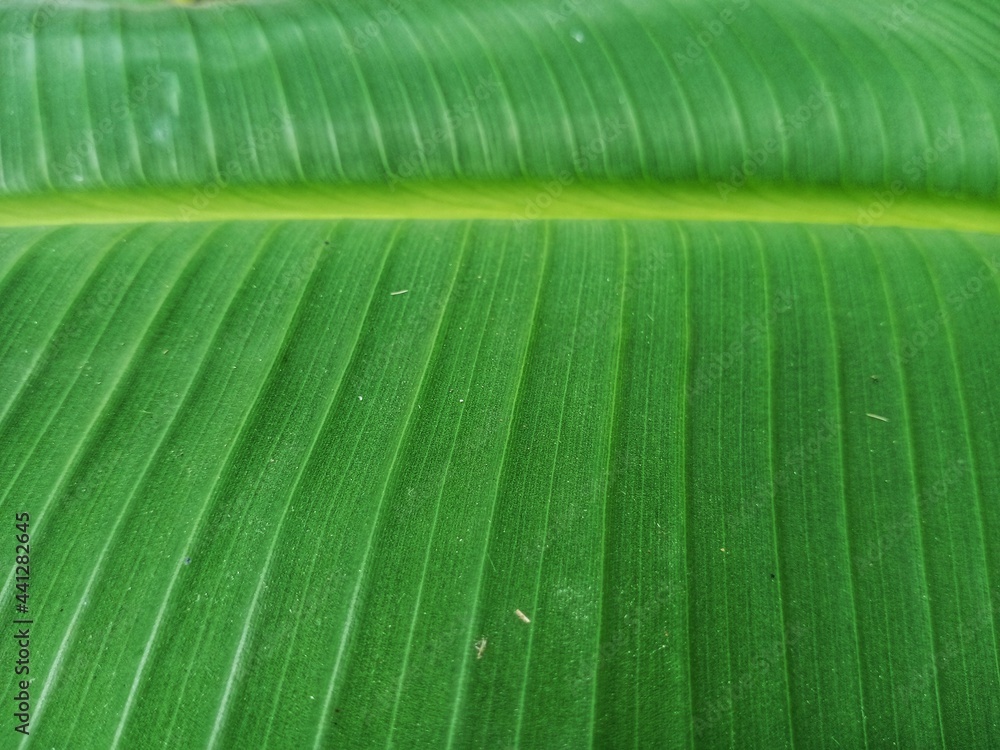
[854,208]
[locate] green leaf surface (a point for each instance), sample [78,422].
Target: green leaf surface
[443,374]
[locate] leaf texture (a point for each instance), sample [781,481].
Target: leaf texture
[331,438]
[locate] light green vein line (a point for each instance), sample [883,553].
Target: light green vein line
[768,81]
[609,471]
[135,152]
[212,155]
[197,641]
[934,69]
[71,462]
[690,470]
[195,531]
[442,99]
[20,252]
[53,673]
[522,370]
[836,342]
[956,587]
[295,151]
[433,530]
[57,406]
[477,114]
[874,48]
[630,108]
[720,426]
[100,560]
[224,702]
[966,432]
[336,393]
[739,118]
[349,621]
[390,246]
[687,434]
[860,74]
[807,536]
[548,510]
[10,278]
[854,303]
[782,624]
[908,422]
[809,60]
[150,641]
[413,122]
[993,128]
[565,117]
[676,79]
[5,185]
[965,37]
[635,705]
[595,109]
[87,126]
[640,598]
[42,162]
[238,113]
[370,111]
[307,52]
[993,265]
[486,51]
[52,415]
[351,614]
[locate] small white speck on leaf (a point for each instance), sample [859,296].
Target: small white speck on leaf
[877,416]
[578,35]
[523,617]
[361,398]
[401,291]
[480,647]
